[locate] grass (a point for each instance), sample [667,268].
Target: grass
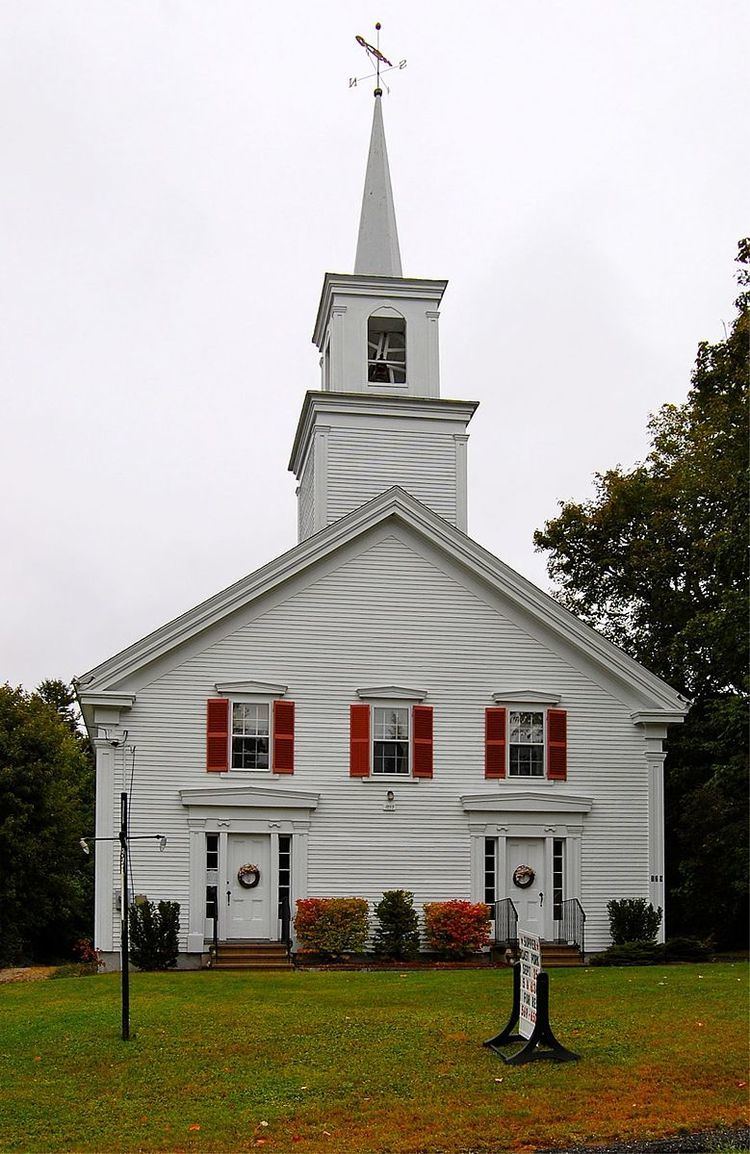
[366,1062]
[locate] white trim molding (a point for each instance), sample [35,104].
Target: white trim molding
[526,697]
[249,689]
[526,801]
[391,693]
[658,716]
[249,796]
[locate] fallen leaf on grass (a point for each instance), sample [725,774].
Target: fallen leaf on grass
[193,1126]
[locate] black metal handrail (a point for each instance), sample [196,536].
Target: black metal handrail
[572,923]
[506,922]
[285,917]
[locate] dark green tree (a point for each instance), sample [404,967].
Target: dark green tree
[46,805]
[657,561]
[154,935]
[397,928]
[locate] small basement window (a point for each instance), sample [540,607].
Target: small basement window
[386,350]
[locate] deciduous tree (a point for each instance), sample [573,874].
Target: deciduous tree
[657,561]
[46,804]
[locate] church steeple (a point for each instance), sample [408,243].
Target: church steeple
[377,419]
[377,246]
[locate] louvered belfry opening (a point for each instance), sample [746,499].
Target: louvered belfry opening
[386,350]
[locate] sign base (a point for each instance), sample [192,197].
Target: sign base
[542,1034]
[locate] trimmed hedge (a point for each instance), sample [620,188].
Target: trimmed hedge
[332,927]
[457,929]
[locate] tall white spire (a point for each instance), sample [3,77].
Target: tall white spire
[377,247]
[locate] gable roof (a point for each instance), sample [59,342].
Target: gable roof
[393,503]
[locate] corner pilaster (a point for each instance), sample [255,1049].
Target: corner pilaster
[655,756]
[104,853]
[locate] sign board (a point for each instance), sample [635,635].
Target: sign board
[531,963]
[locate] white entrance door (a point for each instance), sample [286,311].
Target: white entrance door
[530,901]
[249,910]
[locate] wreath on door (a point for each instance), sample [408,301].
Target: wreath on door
[523,876]
[248,876]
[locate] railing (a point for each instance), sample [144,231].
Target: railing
[571,924]
[285,917]
[506,922]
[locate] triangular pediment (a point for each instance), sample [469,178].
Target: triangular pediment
[549,800]
[428,530]
[249,797]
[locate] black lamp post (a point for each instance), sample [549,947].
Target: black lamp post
[124,840]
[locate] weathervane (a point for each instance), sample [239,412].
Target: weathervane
[380,62]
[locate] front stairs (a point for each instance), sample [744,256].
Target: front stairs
[556,954]
[251,954]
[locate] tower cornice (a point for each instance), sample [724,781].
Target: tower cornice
[319,405]
[341,284]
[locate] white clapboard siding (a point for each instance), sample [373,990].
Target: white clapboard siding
[389,615]
[362,464]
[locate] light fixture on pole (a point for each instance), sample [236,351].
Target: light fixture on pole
[124,840]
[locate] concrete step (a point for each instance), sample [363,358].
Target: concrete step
[232,965]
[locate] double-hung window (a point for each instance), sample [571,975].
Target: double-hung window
[390,747]
[250,735]
[526,743]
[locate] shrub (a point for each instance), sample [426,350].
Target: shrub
[457,929]
[397,932]
[154,931]
[332,926]
[633,920]
[630,954]
[74,970]
[687,950]
[88,955]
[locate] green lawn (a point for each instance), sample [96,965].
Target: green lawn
[366,1062]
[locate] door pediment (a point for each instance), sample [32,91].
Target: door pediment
[249,797]
[526,801]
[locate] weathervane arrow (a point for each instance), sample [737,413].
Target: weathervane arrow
[380,62]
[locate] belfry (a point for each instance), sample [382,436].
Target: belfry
[378,419]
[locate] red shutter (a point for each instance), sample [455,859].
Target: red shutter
[557,744]
[283,737]
[217,735]
[422,740]
[494,742]
[359,740]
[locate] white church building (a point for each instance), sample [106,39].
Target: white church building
[386,705]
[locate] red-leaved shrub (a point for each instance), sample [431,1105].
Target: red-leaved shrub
[332,926]
[457,929]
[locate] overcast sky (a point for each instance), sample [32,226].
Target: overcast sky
[178,175]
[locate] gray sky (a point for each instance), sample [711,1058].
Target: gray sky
[176,178]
